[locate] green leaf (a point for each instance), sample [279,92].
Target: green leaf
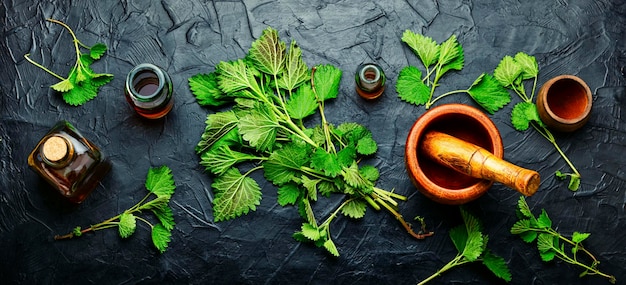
[489,94]
[235,76]
[579,237]
[221,128]
[474,245]
[353,177]
[235,194]
[97,50]
[80,94]
[165,216]
[507,71]
[326,80]
[543,221]
[425,47]
[284,164]
[366,146]
[410,87]
[311,186]
[63,86]
[326,188]
[217,161]
[325,161]
[100,79]
[161,237]
[458,235]
[545,242]
[497,265]
[77,232]
[574,182]
[160,181]
[329,245]
[450,52]
[457,62]
[127,225]
[522,206]
[522,114]
[296,72]
[528,65]
[288,194]
[311,232]
[369,172]
[548,255]
[528,237]
[206,90]
[520,226]
[346,156]
[354,209]
[302,103]
[268,52]
[259,128]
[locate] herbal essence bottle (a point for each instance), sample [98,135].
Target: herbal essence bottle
[69,162]
[149,91]
[370,80]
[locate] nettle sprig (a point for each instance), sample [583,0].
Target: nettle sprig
[160,184]
[271,93]
[82,83]
[418,88]
[471,245]
[552,244]
[511,73]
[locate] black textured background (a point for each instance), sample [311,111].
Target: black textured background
[580,37]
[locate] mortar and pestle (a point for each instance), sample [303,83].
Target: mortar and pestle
[454,153]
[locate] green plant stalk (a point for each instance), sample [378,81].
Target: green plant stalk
[548,135]
[447,94]
[330,147]
[458,260]
[26,56]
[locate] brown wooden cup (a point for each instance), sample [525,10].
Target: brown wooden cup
[564,103]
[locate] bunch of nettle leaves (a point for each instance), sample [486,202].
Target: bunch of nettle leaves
[273,92]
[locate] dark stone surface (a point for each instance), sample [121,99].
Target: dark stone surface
[580,37]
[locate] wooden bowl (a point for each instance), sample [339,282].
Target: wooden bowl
[440,183]
[564,103]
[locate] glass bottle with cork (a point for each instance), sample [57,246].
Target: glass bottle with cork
[69,162]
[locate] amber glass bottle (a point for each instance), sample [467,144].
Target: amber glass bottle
[370,80]
[149,91]
[69,162]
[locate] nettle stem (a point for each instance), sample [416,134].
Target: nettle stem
[26,56]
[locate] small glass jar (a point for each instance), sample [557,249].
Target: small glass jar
[370,81]
[149,91]
[69,162]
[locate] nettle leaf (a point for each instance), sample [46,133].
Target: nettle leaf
[545,242]
[474,245]
[457,62]
[160,181]
[302,103]
[268,52]
[329,245]
[311,232]
[100,79]
[235,194]
[366,146]
[63,86]
[284,164]
[296,72]
[449,51]
[543,221]
[369,172]
[508,71]
[410,87]
[489,94]
[161,237]
[325,161]
[425,47]
[326,188]
[579,237]
[234,76]
[206,89]
[497,265]
[80,93]
[353,177]
[288,194]
[259,128]
[217,161]
[97,50]
[346,157]
[326,80]
[311,187]
[528,65]
[520,226]
[522,206]
[458,235]
[165,216]
[219,126]
[354,209]
[522,114]
[127,225]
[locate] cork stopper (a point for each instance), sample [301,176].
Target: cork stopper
[56,149]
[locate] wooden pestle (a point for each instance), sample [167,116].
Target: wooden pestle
[477,162]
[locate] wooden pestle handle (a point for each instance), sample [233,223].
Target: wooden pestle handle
[477,162]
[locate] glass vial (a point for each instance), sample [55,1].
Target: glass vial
[149,91]
[370,80]
[69,162]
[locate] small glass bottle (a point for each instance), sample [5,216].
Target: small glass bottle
[69,162]
[370,80]
[149,91]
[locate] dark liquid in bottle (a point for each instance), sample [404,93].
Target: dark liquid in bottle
[370,82]
[150,97]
